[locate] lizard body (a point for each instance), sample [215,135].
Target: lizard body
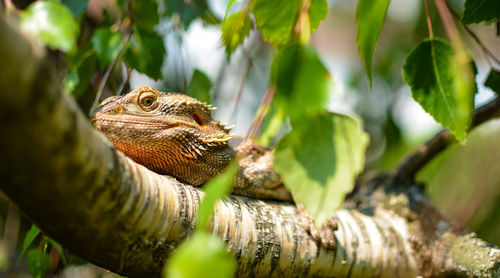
[175,134]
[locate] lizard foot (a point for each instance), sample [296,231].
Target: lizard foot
[323,235]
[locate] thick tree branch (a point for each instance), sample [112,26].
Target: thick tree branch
[117,214]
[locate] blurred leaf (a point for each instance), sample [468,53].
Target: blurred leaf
[38,262]
[146,52]
[229,5]
[370,16]
[464,180]
[276,19]
[28,239]
[52,23]
[199,86]
[215,189]
[272,124]
[83,66]
[76,6]
[319,161]
[106,43]
[235,29]
[439,81]
[59,248]
[202,255]
[145,14]
[301,81]
[476,11]
[493,81]
[187,11]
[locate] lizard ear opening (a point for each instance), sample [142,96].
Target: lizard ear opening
[197,119]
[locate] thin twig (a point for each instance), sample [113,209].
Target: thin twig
[243,77]
[109,68]
[423,154]
[471,33]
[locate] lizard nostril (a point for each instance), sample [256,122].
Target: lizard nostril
[119,109]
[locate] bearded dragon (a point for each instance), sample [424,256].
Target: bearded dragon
[175,134]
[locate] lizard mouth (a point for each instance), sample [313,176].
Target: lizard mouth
[117,121]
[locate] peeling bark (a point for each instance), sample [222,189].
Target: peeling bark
[117,214]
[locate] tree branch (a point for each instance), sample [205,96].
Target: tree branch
[413,162]
[117,214]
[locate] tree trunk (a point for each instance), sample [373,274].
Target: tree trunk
[102,206]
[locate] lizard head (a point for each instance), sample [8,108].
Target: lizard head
[168,133]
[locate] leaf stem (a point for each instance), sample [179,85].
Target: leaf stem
[109,68]
[429,21]
[261,113]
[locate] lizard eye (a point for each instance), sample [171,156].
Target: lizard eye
[147,101]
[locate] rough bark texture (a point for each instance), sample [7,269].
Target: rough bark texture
[117,214]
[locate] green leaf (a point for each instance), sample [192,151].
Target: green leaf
[199,86]
[276,19]
[466,177]
[370,16]
[83,66]
[146,52]
[271,125]
[105,44]
[215,189]
[493,81]
[38,262]
[28,239]
[301,81]
[187,11]
[76,6]
[443,83]
[145,14]
[235,29]
[229,5]
[319,161]
[52,23]
[203,255]
[476,11]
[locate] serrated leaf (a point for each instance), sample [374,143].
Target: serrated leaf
[215,189]
[146,52]
[476,11]
[145,14]
[235,29]
[301,81]
[443,83]
[466,177]
[33,232]
[370,16]
[38,262]
[276,19]
[52,23]
[105,44]
[319,161]
[202,255]
[199,86]
[493,81]
[76,6]
[229,5]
